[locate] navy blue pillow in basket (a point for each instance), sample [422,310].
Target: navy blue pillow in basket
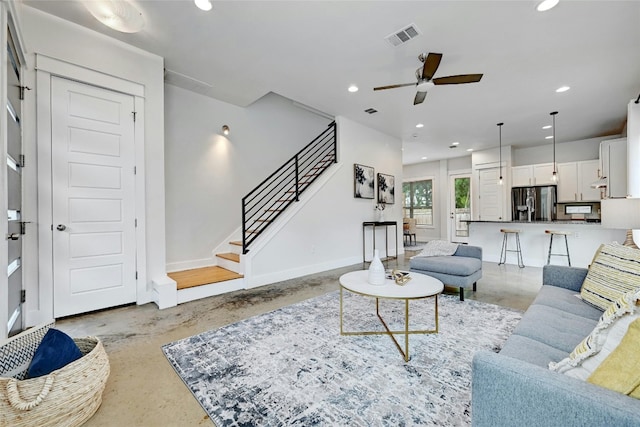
[56,350]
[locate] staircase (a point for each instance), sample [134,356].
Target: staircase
[265,203]
[260,208]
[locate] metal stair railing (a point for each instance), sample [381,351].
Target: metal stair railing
[271,197]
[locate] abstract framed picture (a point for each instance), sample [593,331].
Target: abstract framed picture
[363,181]
[386,191]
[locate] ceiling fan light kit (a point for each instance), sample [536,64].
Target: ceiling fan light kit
[120,15]
[425,80]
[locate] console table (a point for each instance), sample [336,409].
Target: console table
[372,225]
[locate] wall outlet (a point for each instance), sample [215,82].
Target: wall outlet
[576,235]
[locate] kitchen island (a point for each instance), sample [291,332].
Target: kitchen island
[584,240]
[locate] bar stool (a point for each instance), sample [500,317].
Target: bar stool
[505,241]
[566,243]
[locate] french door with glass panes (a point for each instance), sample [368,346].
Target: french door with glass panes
[13,201]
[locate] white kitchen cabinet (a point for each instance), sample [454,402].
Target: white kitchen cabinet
[540,174]
[575,179]
[613,158]
[588,173]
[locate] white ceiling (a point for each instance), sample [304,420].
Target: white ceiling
[312,51]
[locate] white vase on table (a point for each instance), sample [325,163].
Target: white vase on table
[376,270]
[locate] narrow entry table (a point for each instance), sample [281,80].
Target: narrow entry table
[386,225]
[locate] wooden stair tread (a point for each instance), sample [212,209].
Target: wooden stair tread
[229,256]
[235,243]
[202,276]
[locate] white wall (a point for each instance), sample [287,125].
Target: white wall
[56,38]
[573,151]
[327,231]
[207,174]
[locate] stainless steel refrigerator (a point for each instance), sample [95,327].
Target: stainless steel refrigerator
[534,203]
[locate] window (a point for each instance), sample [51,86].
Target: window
[418,201]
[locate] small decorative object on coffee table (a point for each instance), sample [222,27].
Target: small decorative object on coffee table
[401,277]
[376,270]
[422,286]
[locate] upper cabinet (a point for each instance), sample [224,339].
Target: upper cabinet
[613,155]
[575,179]
[540,174]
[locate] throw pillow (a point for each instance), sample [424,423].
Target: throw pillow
[603,340]
[438,248]
[615,270]
[621,370]
[56,350]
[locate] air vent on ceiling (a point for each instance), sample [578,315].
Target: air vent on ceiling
[371,110]
[404,35]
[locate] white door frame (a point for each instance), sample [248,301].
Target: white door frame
[451,202]
[40,297]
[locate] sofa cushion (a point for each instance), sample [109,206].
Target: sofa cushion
[603,340]
[531,351]
[614,271]
[566,300]
[554,327]
[620,371]
[453,265]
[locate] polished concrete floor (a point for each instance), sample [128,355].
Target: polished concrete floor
[143,389]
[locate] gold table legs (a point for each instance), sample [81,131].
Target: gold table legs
[406,331]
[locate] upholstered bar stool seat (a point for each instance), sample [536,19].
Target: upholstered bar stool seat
[505,243]
[552,233]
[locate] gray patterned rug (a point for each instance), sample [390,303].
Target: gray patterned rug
[292,366]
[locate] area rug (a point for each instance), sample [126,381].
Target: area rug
[292,367]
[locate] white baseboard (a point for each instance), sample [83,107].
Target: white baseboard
[204,291]
[278,276]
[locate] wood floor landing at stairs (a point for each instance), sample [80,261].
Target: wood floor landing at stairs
[202,276]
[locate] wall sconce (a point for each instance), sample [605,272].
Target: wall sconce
[225,130]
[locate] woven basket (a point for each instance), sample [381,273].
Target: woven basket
[67,397]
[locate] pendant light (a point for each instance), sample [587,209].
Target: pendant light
[554,177]
[500,139]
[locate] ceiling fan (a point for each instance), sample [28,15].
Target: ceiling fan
[425,78]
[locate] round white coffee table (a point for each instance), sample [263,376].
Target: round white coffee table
[419,287]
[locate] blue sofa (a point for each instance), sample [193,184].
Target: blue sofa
[515,387]
[461,270]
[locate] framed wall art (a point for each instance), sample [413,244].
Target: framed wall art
[363,181]
[386,191]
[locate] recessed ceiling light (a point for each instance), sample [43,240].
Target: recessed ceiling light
[562,89]
[469,149]
[424,158]
[546,127]
[455,143]
[545,5]
[419,125]
[353,88]
[548,137]
[203,4]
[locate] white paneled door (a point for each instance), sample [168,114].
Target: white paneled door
[93,185]
[490,196]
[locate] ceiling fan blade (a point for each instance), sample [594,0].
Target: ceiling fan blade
[393,86]
[420,96]
[431,64]
[454,80]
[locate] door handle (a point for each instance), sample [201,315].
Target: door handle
[13,236]
[61,227]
